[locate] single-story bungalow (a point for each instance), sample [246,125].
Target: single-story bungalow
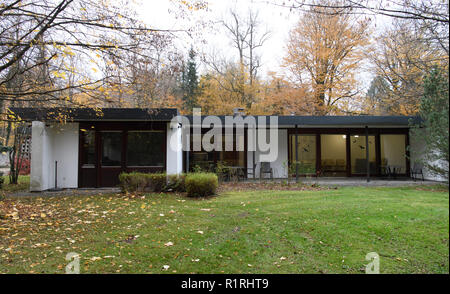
[84,147]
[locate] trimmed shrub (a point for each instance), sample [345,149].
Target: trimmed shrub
[140,182]
[201,184]
[130,182]
[176,183]
[156,182]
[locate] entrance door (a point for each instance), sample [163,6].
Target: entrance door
[88,159]
[111,154]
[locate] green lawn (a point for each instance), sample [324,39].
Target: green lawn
[327,231]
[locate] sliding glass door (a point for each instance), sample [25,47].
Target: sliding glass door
[343,152]
[359,157]
[306,154]
[333,155]
[393,154]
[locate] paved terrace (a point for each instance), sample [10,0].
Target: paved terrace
[363,182]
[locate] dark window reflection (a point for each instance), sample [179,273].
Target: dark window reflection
[145,148]
[88,148]
[111,148]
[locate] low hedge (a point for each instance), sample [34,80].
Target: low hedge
[140,182]
[151,182]
[176,183]
[195,184]
[201,184]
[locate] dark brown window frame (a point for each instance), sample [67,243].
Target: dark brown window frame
[109,174]
[349,132]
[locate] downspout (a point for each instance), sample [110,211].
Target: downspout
[367,154]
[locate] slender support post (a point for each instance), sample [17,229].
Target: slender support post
[254,164]
[56,174]
[187,161]
[367,154]
[296,153]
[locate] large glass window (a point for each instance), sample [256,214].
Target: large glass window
[306,153]
[393,152]
[358,154]
[88,152]
[111,148]
[200,160]
[235,157]
[145,148]
[205,160]
[334,155]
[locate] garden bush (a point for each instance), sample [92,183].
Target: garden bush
[176,183]
[142,182]
[201,184]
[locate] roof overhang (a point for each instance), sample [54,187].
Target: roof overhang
[93,114]
[167,114]
[328,121]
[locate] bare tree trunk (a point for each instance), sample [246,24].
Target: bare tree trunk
[16,155]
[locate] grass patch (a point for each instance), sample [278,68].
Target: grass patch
[324,231]
[22,185]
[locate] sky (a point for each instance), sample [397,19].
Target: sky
[275,19]
[278,20]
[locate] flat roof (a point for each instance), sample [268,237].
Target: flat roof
[94,114]
[338,121]
[166,114]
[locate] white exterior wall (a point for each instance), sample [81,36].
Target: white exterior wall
[65,151]
[280,165]
[174,150]
[52,143]
[417,151]
[40,146]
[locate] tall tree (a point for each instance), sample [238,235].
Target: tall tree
[41,34]
[402,55]
[422,10]
[281,97]
[73,53]
[247,36]
[189,82]
[324,51]
[374,102]
[434,129]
